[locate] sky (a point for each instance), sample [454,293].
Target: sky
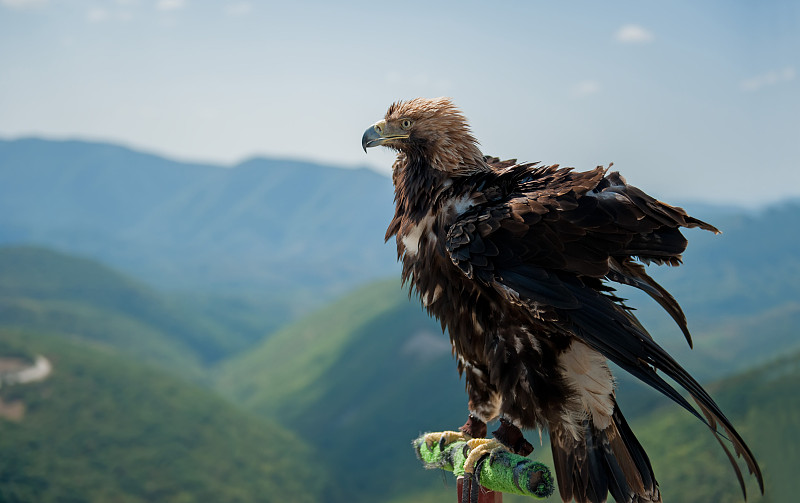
[694,101]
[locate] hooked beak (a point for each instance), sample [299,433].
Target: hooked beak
[378,134]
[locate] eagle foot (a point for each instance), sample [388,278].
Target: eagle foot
[478,448]
[473,428]
[444,438]
[511,437]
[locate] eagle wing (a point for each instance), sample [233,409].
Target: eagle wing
[544,238]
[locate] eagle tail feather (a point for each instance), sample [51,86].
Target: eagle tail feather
[609,460]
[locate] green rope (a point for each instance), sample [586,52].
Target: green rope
[502,471]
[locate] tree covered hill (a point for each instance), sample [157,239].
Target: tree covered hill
[359,379]
[53,292]
[368,373]
[764,405]
[103,427]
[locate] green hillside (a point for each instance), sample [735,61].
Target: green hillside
[359,380]
[102,428]
[49,291]
[364,376]
[763,404]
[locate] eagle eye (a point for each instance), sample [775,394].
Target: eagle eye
[405,123]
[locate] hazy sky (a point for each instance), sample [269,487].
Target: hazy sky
[690,100]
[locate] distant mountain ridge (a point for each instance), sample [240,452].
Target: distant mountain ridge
[261,225]
[52,292]
[298,230]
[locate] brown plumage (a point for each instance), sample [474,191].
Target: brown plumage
[515,260]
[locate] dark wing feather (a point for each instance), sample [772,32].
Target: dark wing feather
[554,235]
[595,224]
[636,352]
[630,273]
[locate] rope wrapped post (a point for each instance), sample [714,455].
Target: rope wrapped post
[484,495]
[501,471]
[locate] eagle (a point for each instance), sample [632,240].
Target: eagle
[517,261]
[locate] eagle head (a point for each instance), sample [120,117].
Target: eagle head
[434,130]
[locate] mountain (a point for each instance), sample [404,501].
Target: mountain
[102,427]
[289,236]
[362,377]
[53,292]
[368,373]
[764,405]
[690,466]
[293,232]
[258,244]
[359,379]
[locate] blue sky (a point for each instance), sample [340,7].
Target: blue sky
[690,100]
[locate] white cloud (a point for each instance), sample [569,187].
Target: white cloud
[97,15]
[171,4]
[23,4]
[238,8]
[634,34]
[768,79]
[101,15]
[586,88]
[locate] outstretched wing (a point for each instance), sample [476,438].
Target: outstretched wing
[548,240]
